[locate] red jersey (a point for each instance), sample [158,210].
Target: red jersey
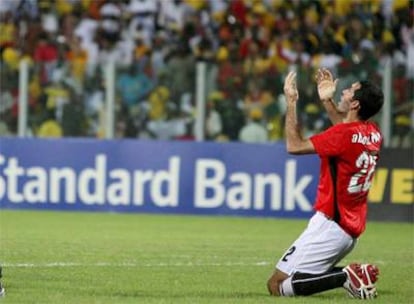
[349,153]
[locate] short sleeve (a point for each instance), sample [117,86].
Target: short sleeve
[331,142]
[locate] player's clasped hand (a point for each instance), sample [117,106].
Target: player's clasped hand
[290,89]
[326,84]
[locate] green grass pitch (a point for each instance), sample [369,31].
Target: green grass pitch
[69,257]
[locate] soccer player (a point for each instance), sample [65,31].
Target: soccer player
[349,151]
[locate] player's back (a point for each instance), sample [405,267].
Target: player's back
[355,168]
[362,142]
[349,153]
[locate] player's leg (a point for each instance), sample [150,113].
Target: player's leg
[2,291]
[358,280]
[307,267]
[305,284]
[275,281]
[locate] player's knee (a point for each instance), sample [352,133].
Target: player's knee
[274,282]
[273,286]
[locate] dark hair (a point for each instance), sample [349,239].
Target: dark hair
[370,99]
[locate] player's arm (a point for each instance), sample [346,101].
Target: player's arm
[295,143]
[326,90]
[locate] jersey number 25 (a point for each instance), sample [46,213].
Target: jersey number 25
[361,181]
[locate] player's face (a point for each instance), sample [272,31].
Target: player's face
[348,96]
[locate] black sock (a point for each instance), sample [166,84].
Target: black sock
[305,284]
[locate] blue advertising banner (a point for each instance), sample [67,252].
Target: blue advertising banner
[391,195]
[156,177]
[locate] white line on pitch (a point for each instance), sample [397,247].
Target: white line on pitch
[107,264]
[131,264]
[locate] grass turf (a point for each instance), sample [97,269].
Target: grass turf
[67,257]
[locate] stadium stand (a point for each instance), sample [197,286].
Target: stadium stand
[248,47]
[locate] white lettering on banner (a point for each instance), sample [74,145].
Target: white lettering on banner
[2,182]
[68,176]
[95,177]
[119,192]
[35,189]
[294,190]
[238,196]
[140,179]
[210,191]
[170,178]
[92,186]
[274,183]
[98,185]
[214,183]
[12,173]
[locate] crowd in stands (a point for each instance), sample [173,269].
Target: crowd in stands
[248,47]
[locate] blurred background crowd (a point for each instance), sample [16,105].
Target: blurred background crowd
[247,46]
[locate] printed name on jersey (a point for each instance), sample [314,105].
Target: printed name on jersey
[374,137]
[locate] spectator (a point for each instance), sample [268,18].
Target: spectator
[8,31]
[143,13]
[74,122]
[230,70]
[214,125]
[45,57]
[256,97]
[50,127]
[159,103]
[86,31]
[133,86]
[232,117]
[77,60]
[180,72]
[110,22]
[172,15]
[254,131]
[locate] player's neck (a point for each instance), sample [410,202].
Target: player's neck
[352,116]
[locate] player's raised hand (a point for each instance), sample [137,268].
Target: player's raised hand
[290,89]
[326,84]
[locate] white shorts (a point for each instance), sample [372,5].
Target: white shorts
[318,249]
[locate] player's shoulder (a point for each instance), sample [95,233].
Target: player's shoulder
[365,133]
[344,127]
[367,126]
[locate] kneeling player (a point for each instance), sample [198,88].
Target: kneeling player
[349,151]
